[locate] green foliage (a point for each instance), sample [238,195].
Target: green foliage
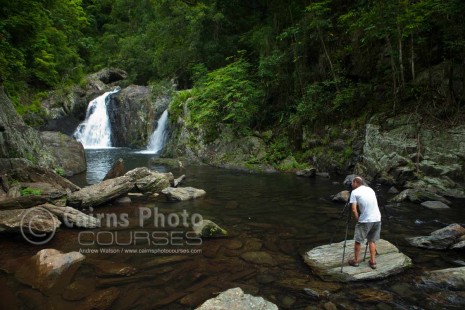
[29,191]
[40,44]
[228,96]
[279,149]
[308,63]
[177,103]
[290,164]
[60,171]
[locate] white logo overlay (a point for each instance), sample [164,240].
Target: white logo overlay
[34,228]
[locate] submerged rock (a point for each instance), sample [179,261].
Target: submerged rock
[236,299]
[451,278]
[100,300]
[326,261]
[259,258]
[105,268]
[440,239]
[49,270]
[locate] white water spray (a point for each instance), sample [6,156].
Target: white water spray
[95,131]
[158,138]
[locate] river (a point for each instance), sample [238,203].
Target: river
[280,214]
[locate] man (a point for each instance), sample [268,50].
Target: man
[368,221]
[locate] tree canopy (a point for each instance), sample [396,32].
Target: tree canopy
[309,62]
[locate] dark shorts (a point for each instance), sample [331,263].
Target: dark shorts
[369,231]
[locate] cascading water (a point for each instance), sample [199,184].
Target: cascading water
[95,131]
[158,138]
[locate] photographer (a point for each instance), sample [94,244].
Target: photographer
[368,221]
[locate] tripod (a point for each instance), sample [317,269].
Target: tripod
[347,229]
[349,213]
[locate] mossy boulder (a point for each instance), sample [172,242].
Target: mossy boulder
[208,229]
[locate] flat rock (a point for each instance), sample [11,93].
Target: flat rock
[435,205]
[235,298]
[326,260]
[35,220]
[183,193]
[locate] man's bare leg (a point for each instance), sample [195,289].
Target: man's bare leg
[357,247]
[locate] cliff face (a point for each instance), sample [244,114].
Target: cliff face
[408,151]
[133,114]
[17,140]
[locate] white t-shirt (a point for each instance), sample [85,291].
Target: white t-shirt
[365,198]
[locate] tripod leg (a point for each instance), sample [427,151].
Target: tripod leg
[345,241]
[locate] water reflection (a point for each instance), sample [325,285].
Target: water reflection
[278,214]
[99,162]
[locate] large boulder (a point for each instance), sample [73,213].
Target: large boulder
[440,239]
[326,261]
[71,158]
[133,114]
[235,298]
[154,183]
[108,76]
[49,270]
[17,140]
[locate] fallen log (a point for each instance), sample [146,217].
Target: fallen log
[178,180]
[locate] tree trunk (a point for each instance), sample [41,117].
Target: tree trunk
[328,58]
[394,71]
[412,60]
[401,61]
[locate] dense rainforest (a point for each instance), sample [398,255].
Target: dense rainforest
[289,66]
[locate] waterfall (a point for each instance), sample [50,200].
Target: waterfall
[95,131]
[158,137]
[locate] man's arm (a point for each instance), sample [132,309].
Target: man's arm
[355,211]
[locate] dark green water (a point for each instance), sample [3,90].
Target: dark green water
[280,214]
